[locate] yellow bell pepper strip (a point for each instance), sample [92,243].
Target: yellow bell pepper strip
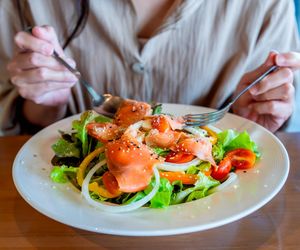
[85,163]
[213,135]
[179,176]
[100,190]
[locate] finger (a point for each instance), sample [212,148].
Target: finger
[48,34]
[270,61]
[35,90]
[252,75]
[53,99]
[31,60]
[274,108]
[274,80]
[26,41]
[284,92]
[289,59]
[50,98]
[42,75]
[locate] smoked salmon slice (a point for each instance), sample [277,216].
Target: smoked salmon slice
[162,140]
[104,132]
[163,133]
[198,146]
[131,163]
[131,112]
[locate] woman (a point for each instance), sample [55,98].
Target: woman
[184,51]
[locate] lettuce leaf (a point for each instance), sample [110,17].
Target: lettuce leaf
[157,109]
[101,118]
[61,174]
[64,148]
[161,152]
[204,166]
[79,126]
[162,198]
[138,196]
[196,192]
[231,139]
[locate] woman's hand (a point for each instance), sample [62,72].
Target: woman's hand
[270,102]
[43,82]
[36,74]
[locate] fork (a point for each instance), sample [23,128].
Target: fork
[214,116]
[104,102]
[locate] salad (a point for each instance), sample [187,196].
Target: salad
[143,157]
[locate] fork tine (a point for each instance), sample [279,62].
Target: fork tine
[212,117]
[202,122]
[205,118]
[217,112]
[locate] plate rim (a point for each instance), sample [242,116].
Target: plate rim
[163,232]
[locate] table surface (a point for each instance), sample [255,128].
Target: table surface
[274,226]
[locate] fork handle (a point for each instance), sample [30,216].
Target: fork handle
[257,80]
[97,99]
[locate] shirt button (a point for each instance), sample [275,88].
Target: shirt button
[138,68]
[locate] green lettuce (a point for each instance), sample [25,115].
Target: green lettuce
[61,174]
[136,197]
[157,109]
[80,127]
[231,139]
[161,152]
[199,190]
[162,198]
[204,166]
[64,148]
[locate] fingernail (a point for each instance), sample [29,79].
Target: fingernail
[275,51]
[253,91]
[280,59]
[72,77]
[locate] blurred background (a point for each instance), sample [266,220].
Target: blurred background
[297,5]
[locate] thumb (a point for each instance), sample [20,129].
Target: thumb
[252,75]
[48,34]
[270,61]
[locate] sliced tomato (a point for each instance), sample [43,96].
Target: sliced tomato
[179,176]
[179,157]
[160,123]
[241,158]
[221,171]
[110,183]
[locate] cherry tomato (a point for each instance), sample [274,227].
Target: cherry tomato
[179,176]
[110,183]
[179,157]
[221,171]
[160,123]
[241,158]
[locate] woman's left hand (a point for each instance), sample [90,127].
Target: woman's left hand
[270,102]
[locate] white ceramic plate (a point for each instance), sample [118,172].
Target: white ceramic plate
[65,204]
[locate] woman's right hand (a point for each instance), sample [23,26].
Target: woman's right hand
[37,75]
